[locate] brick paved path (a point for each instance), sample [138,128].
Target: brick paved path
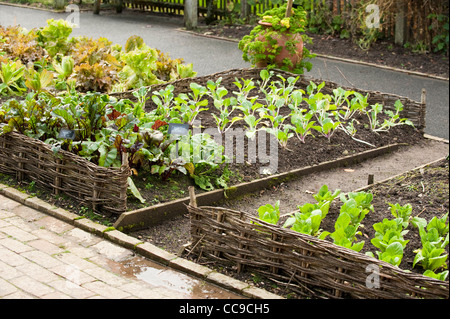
[44,257]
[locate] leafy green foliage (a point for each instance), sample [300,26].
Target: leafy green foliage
[55,36]
[270,213]
[261,45]
[404,212]
[434,239]
[389,240]
[17,43]
[87,64]
[11,76]
[310,215]
[345,233]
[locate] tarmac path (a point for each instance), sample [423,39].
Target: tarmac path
[213,55]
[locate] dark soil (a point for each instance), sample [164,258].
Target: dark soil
[316,149]
[382,53]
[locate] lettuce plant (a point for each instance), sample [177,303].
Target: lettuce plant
[392,254]
[55,36]
[362,199]
[306,222]
[345,233]
[11,76]
[434,237]
[404,212]
[389,240]
[270,213]
[309,217]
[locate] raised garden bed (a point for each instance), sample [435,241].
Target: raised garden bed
[31,160]
[317,154]
[305,266]
[316,151]
[341,149]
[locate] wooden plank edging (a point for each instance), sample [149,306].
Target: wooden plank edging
[149,216]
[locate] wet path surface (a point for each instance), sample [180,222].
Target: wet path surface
[45,258]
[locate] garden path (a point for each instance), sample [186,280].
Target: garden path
[18,258]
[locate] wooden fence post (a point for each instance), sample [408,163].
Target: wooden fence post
[119,6]
[400,23]
[190,14]
[245,9]
[60,4]
[97,6]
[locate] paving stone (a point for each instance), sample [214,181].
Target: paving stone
[31,286]
[17,233]
[8,272]
[19,295]
[56,295]
[11,258]
[7,204]
[106,276]
[14,245]
[38,272]
[141,290]
[112,251]
[45,246]
[6,288]
[106,290]
[83,237]
[3,223]
[41,258]
[27,213]
[74,260]
[49,236]
[73,274]
[53,225]
[70,289]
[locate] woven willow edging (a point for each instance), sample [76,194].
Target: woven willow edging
[312,267]
[100,188]
[413,110]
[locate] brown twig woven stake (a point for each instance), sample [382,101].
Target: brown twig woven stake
[101,188]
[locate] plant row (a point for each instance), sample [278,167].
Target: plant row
[106,127]
[286,111]
[389,233]
[48,57]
